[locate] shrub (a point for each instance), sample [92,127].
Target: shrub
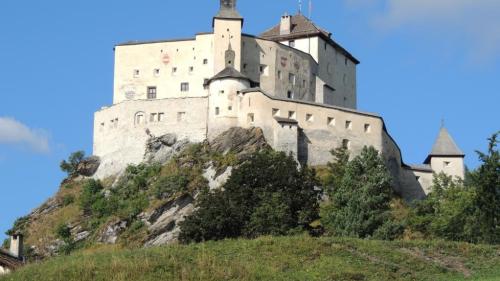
[63,231]
[68,200]
[268,194]
[70,166]
[169,185]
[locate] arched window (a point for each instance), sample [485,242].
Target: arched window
[140,118]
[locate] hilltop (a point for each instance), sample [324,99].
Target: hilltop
[276,258]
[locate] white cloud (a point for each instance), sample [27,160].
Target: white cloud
[15,132]
[472,24]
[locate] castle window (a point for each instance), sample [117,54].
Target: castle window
[221,91]
[348,125]
[230,108]
[346,61]
[446,164]
[303,83]
[217,111]
[290,94]
[291,43]
[250,118]
[191,69]
[264,70]
[276,112]
[330,121]
[139,118]
[205,61]
[245,66]
[181,116]
[152,117]
[309,118]
[368,128]
[156,72]
[292,115]
[174,70]
[184,87]
[161,117]
[291,78]
[151,93]
[136,73]
[280,75]
[346,144]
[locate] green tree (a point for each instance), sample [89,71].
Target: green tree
[360,203]
[486,180]
[267,194]
[70,166]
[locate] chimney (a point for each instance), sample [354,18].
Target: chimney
[16,245]
[286,24]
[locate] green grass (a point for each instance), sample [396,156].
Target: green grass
[271,258]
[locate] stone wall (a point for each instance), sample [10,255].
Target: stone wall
[121,131]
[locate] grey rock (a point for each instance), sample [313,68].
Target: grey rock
[88,166]
[112,231]
[81,236]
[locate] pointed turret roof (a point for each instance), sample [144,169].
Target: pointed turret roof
[444,146]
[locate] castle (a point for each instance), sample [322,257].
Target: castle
[293,81]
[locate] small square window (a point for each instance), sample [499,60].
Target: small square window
[290,95]
[330,121]
[181,116]
[291,78]
[245,66]
[156,72]
[151,93]
[161,117]
[136,73]
[304,83]
[191,69]
[250,118]
[264,70]
[185,87]
[292,115]
[368,128]
[309,118]
[221,92]
[152,117]
[346,144]
[174,70]
[276,112]
[280,75]
[446,164]
[205,61]
[348,125]
[217,111]
[230,108]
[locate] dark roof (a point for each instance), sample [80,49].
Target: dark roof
[229,72]
[421,167]
[444,146]
[304,27]
[9,261]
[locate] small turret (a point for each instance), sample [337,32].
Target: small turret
[16,246]
[446,156]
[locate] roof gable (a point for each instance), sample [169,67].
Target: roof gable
[301,26]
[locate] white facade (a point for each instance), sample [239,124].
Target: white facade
[300,91]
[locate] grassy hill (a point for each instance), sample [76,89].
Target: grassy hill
[271,258]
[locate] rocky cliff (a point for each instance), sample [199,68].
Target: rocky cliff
[140,206]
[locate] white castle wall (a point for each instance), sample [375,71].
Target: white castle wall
[121,131]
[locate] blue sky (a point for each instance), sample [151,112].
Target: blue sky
[421,61]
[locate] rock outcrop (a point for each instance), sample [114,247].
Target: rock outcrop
[88,166]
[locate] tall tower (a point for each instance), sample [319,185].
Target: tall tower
[227,26]
[446,156]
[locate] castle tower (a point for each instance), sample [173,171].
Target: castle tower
[446,156]
[227,26]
